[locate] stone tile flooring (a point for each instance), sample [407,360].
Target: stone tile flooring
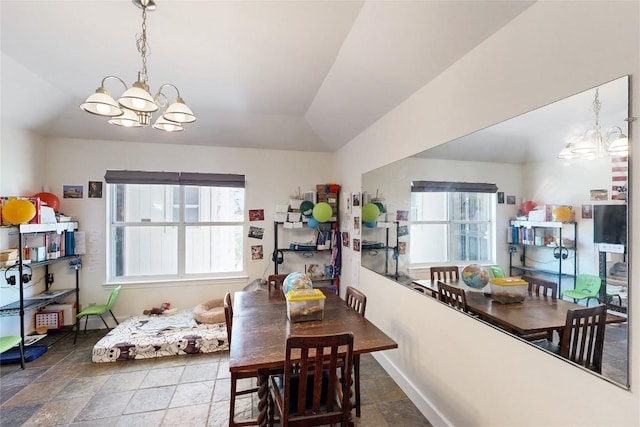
[64,388]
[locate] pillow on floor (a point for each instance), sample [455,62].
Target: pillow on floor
[210,311]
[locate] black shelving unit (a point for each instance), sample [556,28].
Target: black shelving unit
[529,236]
[389,248]
[49,296]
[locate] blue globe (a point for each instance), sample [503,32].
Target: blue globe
[296,280]
[475,276]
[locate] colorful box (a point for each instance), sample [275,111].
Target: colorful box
[50,319]
[508,290]
[305,304]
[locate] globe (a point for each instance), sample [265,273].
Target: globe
[296,280]
[475,276]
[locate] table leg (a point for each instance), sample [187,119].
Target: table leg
[263,396]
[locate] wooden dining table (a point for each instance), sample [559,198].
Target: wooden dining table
[534,314]
[261,327]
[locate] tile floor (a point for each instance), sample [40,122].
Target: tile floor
[64,388]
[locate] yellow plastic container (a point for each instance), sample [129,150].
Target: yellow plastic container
[305,304]
[508,290]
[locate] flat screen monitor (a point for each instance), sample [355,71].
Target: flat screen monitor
[610,224]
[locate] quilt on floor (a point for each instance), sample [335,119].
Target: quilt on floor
[145,337]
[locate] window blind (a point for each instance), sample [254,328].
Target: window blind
[175,178]
[452,187]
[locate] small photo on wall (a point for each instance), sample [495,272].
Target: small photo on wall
[72,192]
[500,197]
[345,239]
[256,214]
[257,252]
[95,189]
[511,200]
[256,232]
[599,195]
[587,211]
[356,245]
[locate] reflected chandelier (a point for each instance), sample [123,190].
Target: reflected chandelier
[594,144]
[136,105]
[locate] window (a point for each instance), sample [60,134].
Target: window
[165,225]
[452,223]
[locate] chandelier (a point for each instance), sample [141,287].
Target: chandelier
[136,104]
[594,144]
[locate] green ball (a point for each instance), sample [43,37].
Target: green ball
[370,212]
[322,212]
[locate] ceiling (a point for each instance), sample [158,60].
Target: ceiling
[290,75]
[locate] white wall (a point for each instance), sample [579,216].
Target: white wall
[459,371]
[271,177]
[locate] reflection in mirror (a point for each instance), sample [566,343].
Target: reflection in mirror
[541,195]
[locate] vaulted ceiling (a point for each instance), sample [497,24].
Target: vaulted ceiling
[291,75]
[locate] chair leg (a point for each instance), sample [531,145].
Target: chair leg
[105,323]
[114,317]
[232,401]
[356,370]
[75,337]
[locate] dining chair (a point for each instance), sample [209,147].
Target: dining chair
[275,281]
[445,273]
[582,338]
[587,287]
[358,301]
[97,310]
[237,376]
[452,295]
[309,392]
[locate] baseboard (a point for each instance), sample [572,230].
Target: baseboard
[422,403]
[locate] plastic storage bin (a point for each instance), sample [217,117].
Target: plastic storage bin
[305,304]
[508,290]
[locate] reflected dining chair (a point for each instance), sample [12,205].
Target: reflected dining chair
[452,295]
[546,288]
[536,285]
[358,301]
[447,273]
[582,338]
[275,281]
[309,392]
[237,376]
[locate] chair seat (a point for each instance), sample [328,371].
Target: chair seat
[579,294]
[8,342]
[93,310]
[278,382]
[547,345]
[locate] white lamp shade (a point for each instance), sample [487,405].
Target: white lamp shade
[619,146]
[179,112]
[167,125]
[584,147]
[128,119]
[138,99]
[567,152]
[102,104]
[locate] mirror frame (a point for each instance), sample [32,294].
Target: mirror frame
[373,181]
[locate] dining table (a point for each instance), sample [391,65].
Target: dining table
[536,313]
[261,327]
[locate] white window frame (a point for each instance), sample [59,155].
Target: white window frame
[170,181]
[450,190]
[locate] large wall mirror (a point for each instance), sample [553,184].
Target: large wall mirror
[485,197]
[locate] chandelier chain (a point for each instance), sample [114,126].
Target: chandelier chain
[143,46]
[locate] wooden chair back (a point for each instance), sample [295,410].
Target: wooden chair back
[447,273]
[453,296]
[311,392]
[583,336]
[537,284]
[228,315]
[356,300]
[275,281]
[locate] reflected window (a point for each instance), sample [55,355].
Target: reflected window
[451,226]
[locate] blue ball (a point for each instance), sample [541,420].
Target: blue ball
[313,223]
[370,224]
